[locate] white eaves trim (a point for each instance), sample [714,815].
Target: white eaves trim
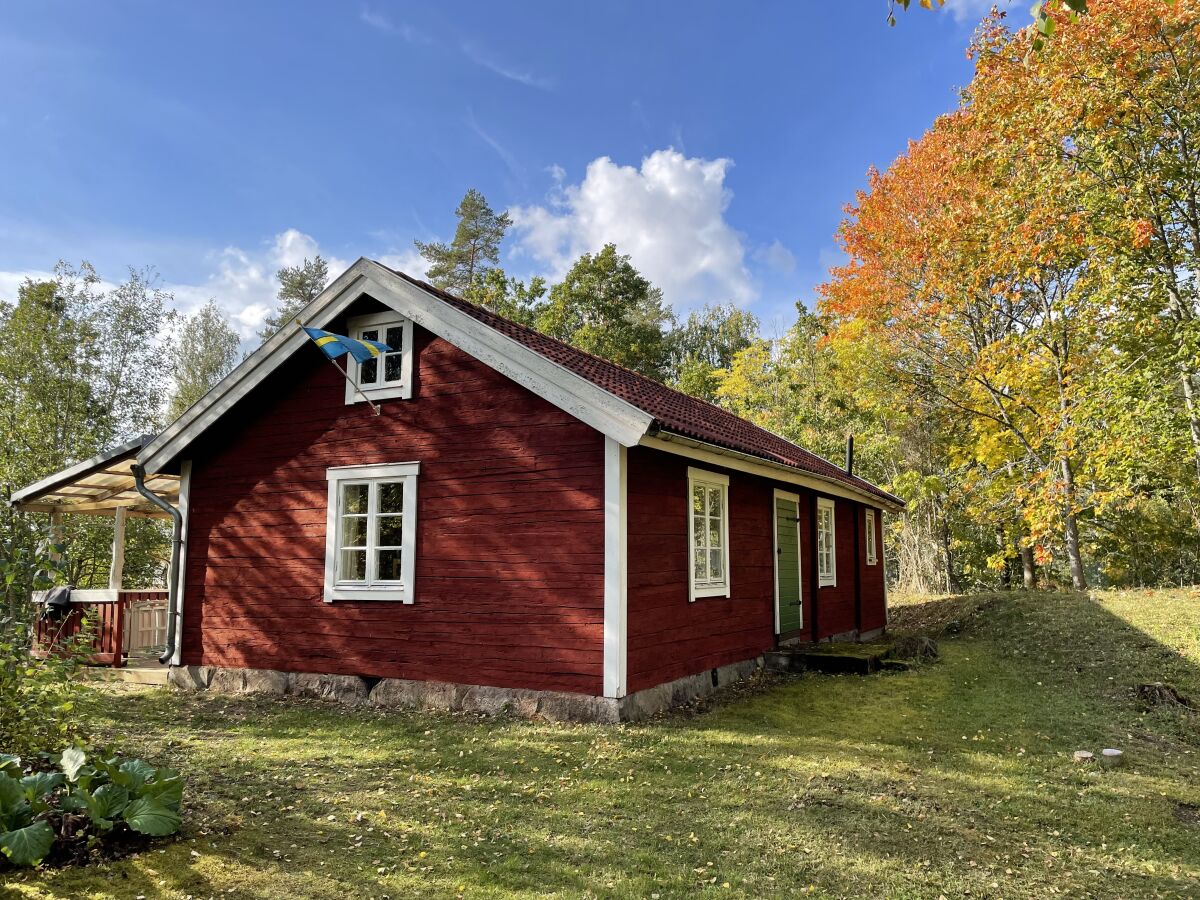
[583,399]
[591,404]
[173,439]
[743,462]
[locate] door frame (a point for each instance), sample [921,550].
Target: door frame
[776,496]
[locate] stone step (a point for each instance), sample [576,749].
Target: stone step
[133,674]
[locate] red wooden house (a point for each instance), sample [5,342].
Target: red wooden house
[522,526]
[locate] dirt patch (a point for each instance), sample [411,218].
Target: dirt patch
[1158,693]
[944,616]
[1187,813]
[914,646]
[759,683]
[79,848]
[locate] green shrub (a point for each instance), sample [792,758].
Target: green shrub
[41,699]
[31,559]
[83,805]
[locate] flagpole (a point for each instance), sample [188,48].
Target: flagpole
[345,373]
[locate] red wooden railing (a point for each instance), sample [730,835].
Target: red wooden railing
[107,619]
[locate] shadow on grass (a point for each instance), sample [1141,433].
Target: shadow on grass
[956,777]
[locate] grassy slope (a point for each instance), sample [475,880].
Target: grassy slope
[956,779]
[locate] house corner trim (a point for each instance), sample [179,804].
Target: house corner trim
[185,494]
[616,506]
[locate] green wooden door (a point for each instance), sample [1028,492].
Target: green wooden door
[787,565]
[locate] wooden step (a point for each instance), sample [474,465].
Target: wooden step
[843,658]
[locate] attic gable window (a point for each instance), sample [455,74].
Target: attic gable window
[390,374]
[826,544]
[708,534]
[370,532]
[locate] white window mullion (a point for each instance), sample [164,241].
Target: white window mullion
[372,517]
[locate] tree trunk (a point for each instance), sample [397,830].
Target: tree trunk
[952,586]
[1028,569]
[1182,314]
[1006,574]
[1071,528]
[1189,403]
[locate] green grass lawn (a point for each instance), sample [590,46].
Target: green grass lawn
[953,780]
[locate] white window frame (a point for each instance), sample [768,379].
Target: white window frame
[872,551]
[721,482]
[396,591]
[381,390]
[824,578]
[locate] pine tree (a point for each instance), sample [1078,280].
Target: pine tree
[298,286]
[461,265]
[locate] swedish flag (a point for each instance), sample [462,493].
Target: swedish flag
[335,345]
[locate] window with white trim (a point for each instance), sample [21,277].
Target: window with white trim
[389,374]
[370,535]
[708,534]
[872,557]
[826,544]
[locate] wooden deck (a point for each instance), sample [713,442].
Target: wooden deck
[127,625]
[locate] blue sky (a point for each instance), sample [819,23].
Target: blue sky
[716,143]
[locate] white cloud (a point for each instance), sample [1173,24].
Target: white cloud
[972,10]
[829,258]
[669,216]
[408,261]
[506,156]
[481,56]
[777,256]
[242,282]
[10,282]
[380,22]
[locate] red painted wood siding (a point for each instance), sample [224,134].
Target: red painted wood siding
[835,615]
[874,613]
[670,637]
[510,543]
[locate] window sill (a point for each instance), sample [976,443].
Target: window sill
[827,582]
[702,592]
[392,392]
[388,595]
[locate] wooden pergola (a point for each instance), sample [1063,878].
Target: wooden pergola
[101,486]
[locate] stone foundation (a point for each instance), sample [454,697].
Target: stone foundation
[398,693]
